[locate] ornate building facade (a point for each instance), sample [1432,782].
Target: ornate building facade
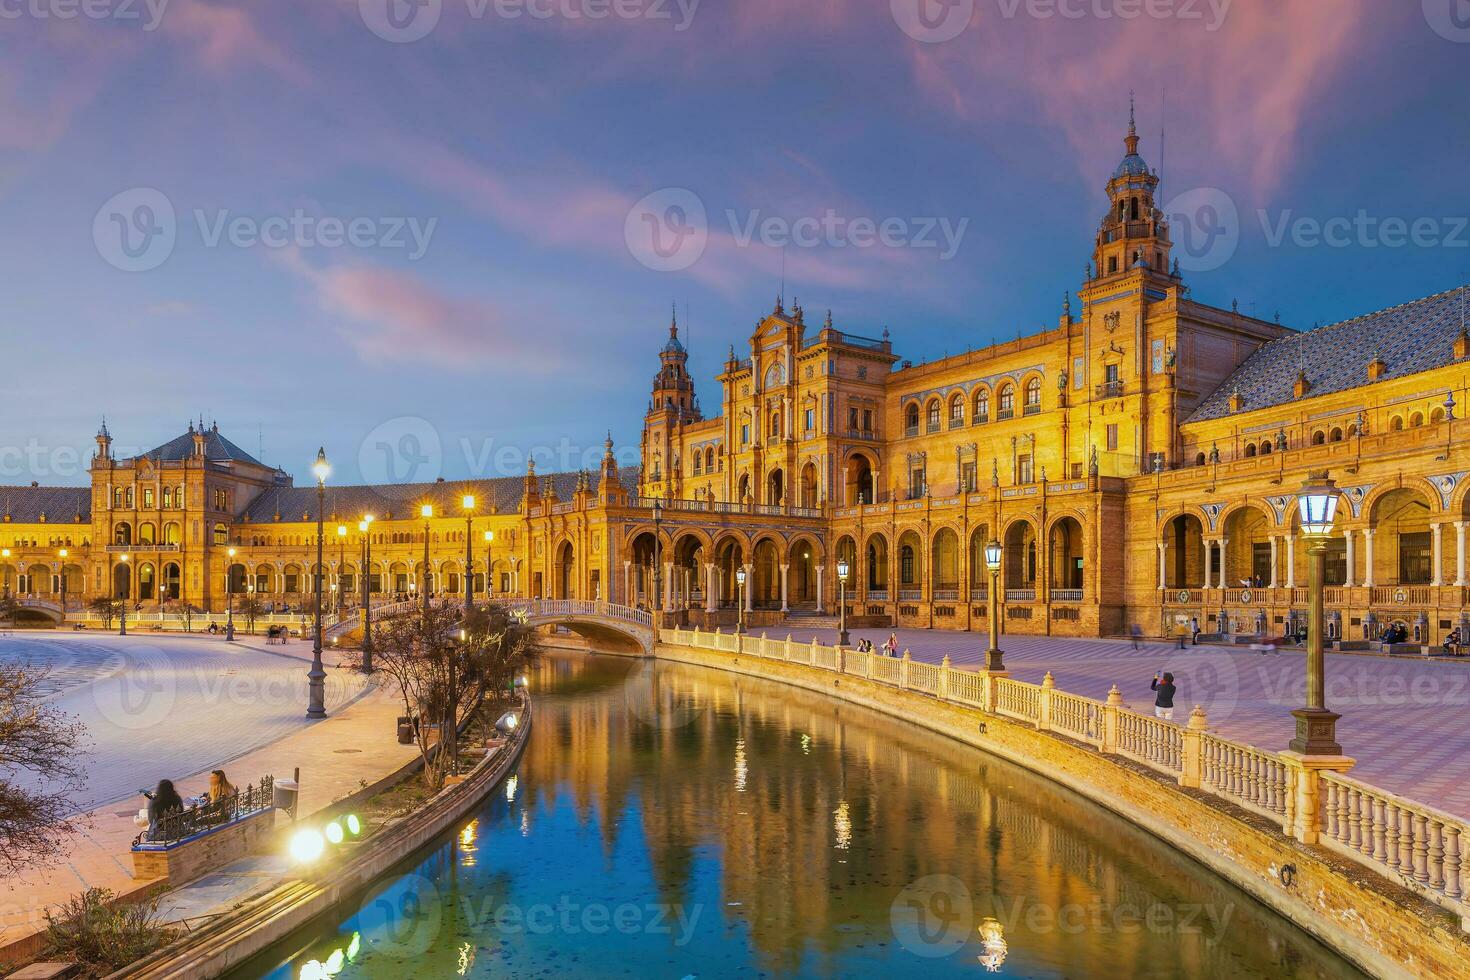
[1138,463]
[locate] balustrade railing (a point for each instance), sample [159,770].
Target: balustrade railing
[910,595]
[1020,595]
[1066,595]
[1414,844]
[182,824]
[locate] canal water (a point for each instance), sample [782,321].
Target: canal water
[671,821]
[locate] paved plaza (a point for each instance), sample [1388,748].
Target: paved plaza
[166,706]
[1406,721]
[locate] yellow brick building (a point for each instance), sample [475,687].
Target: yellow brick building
[1138,464]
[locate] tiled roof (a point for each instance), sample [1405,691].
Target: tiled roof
[216,447]
[402,500]
[61,505]
[1410,338]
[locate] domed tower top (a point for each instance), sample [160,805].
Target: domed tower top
[673,389]
[1134,233]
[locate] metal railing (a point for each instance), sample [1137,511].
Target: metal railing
[183,824]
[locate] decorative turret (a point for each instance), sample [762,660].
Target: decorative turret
[609,489]
[1134,234]
[104,441]
[673,389]
[532,490]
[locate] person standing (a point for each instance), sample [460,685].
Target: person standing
[1194,630]
[891,647]
[1164,699]
[1134,634]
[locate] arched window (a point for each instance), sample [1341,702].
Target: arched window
[775,426]
[221,534]
[1336,435]
[709,460]
[146,533]
[698,462]
[122,534]
[1319,437]
[1007,401]
[117,497]
[1199,459]
[1033,396]
[932,414]
[982,405]
[911,418]
[1266,448]
[1416,420]
[1250,449]
[1396,424]
[957,410]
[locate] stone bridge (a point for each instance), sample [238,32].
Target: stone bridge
[607,624]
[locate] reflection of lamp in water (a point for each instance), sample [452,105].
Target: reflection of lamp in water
[740,769]
[993,939]
[467,843]
[466,958]
[511,783]
[842,826]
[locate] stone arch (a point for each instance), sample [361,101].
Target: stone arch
[1247,529]
[765,579]
[944,561]
[172,586]
[1019,565]
[910,559]
[875,561]
[980,536]
[1066,550]
[809,485]
[1183,535]
[803,555]
[775,486]
[860,471]
[1403,552]
[564,571]
[731,551]
[689,555]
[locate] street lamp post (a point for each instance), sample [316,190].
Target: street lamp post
[339,592]
[740,600]
[363,526]
[230,596]
[1316,727]
[5,554]
[658,591]
[62,555]
[316,706]
[122,612]
[842,602]
[469,557]
[489,568]
[993,656]
[426,511]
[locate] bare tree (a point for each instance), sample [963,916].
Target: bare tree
[9,606]
[106,608]
[250,608]
[40,768]
[184,610]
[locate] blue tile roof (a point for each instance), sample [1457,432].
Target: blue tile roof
[60,505]
[216,448]
[1410,338]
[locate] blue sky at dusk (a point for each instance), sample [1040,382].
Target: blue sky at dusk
[176,180]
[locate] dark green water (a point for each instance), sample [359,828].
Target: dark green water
[676,822]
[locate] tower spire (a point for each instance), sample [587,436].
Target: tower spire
[1131,140]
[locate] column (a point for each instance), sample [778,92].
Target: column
[1459,552]
[628,596]
[821,608]
[1274,539]
[1224,582]
[1209,548]
[1434,530]
[784,606]
[1368,556]
[1351,558]
[1163,570]
[749,587]
[1291,561]
[709,587]
[668,584]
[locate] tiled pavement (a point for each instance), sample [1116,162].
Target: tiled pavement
[1406,721]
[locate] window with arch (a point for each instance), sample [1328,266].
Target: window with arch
[775,425]
[1396,424]
[1416,420]
[911,419]
[957,410]
[982,405]
[221,534]
[931,413]
[1199,459]
[709,460]
[1007,402]
[1437,416]
[1336,435]
[1033,396]
[1250,449]
[698,463]
[1319,437]
[1266,448]
[117,496]
[168,496]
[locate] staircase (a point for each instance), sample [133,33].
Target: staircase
[809,621]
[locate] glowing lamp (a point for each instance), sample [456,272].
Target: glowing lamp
[993,552]
[320,469]
[469,501]
[740,576]
[842,569]
[334,832]
[1316,505]
[426,511]
[307,845]
[354,825]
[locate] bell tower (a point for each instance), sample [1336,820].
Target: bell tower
[672,405]
[1134,233]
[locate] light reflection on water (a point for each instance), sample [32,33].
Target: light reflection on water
[698,824]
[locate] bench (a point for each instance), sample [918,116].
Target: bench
[214,847]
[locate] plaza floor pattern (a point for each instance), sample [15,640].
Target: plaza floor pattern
[1405,721]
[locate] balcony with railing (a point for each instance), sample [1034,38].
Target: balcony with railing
[1110,389]
[1020,595]
[1066,595]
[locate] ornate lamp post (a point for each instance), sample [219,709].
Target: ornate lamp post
[842,602]
[62,555]
[316,677]
[426,511]
[469,559]
[993,553]
[122,617]
[5,554]
[1316,727]
[740,600]
[339,592]
[658,591]
[363,526]
[489,568]
[230,596]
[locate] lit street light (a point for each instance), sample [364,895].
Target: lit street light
[489,543]
[469,558]
[62,555]
[363,526]
[842,601]
[426,511]
[122,618]
[229,592]
[1316,727]
[993,552]
[340,593]
[740,600]
[316,706]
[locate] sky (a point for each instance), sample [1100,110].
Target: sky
[435,235]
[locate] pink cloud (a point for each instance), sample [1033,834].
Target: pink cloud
[224,37]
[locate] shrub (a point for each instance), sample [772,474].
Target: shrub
[103,936]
